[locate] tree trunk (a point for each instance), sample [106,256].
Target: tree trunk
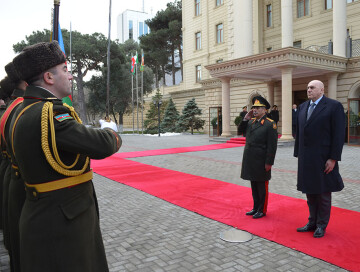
[81,98]
[121,118]
[181,62]
[173,63]
[163,74]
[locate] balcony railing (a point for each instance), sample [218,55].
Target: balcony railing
[355,48]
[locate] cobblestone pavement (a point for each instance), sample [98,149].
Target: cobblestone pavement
[144,233]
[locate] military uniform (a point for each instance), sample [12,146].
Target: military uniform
[59,228]
[260,149]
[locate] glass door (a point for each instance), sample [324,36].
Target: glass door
[215,122]
[353,121]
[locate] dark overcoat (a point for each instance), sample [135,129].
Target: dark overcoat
[260,149]
[318,139]
[59,230]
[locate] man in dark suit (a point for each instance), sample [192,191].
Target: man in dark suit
[259,154]
[318,147]
[294,118]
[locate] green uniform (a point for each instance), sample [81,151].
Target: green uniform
[260,149]
[59,229]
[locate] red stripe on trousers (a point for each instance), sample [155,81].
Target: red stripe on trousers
[266,196]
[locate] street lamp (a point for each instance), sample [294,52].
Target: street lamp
[158,104]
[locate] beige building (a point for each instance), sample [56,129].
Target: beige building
[235,50]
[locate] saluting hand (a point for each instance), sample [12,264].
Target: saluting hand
[249,115]
[329,166]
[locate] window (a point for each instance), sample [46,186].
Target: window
[131,30]
[350,1]
[303,7]
[269,49]
[219,33]
[297,44]
[141,29]
[146,29]
[197,7]
[328,4]
[219,2]
[268,15]
[219,61]
[198,40]
[198,73]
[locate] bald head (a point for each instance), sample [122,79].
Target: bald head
[315,90]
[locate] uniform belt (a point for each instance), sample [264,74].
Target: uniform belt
[61,183]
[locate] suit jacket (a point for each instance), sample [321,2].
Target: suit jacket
[260,149]
[318,139]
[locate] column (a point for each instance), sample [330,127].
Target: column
[339,27]
[225,83]
[286,23]
[286,102]
[270,87]
[332,85]
[243,28]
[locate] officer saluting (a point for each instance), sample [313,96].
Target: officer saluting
[59,223]
[259,153]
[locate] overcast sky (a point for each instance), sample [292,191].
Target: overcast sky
[19,18]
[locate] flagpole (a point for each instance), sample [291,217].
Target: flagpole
[137,96]
[56,20]
[71,67]
[142,91]
[108,67]
[132,101]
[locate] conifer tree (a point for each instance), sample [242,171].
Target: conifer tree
[189,119]
[171,116]
[151,124]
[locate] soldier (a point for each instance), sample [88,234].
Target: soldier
[14,197]
[14,88]
[59,223]
[259,153]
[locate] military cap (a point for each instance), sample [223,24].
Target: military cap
[36,59]
[12,73]
[259,101]
[7,86]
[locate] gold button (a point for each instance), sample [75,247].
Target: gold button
[34,194]
[16,173]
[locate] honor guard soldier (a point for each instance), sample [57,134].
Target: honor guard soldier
[259,153]
[14,196]
[14,88]
[59,223]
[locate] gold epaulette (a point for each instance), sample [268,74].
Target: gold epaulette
[271,120]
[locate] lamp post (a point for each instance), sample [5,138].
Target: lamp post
[158,104]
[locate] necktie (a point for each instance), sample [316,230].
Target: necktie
[311,109]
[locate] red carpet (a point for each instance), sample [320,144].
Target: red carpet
[157,152]
[227,203]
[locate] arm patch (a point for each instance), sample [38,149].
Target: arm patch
[63,117]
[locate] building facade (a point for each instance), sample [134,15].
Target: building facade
[131,25]
[234,50]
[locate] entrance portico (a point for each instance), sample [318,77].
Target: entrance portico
[283,65]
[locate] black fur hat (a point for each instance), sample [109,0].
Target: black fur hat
[7,86]
[36,59]
[12,73]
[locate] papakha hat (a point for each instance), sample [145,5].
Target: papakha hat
[36,59]
[7,86]
[259,101]
[12,73]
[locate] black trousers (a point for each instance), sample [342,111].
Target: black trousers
[319,209]
[260,193]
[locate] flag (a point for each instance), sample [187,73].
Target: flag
[68,99]
[142,62]
[134,60]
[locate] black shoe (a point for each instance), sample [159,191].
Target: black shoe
[252,212]
[258,215]
[306,228]
[319,232]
